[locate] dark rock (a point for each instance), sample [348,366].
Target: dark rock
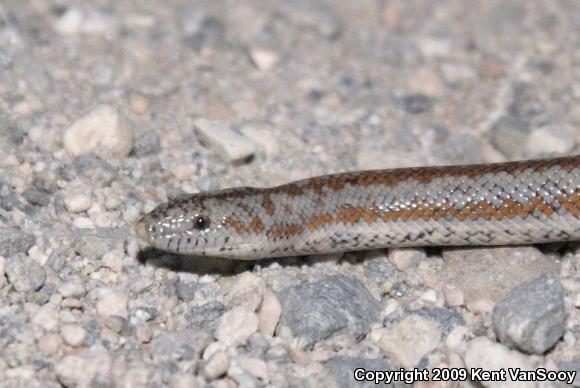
[447,318]
[179,345]
[416,103]
[14,240]
[146,144]
[205,317]
[24,273]
[532,316]
[316,310]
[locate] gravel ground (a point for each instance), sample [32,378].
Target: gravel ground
[108,108]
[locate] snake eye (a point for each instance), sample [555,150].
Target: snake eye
[201,222]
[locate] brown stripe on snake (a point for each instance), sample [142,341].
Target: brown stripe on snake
[490,204]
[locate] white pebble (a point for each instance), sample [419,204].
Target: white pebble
[453,295]
[73,335]
[550,140]
[256,367]
[247,292]
[405,258]
[431,297]
[236,326]
[83,223]
[79,369]
[480,306]
[216,366]
[70,22]
[49,343]
[78,199]
[218,136]
[262,137]
[410,339]
[112,302]
[104,132]
[46,316]
[72,289]
[113,260]
[263,58]
[269,313]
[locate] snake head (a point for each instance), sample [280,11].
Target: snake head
[202,224]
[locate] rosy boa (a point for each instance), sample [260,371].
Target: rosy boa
[488,204]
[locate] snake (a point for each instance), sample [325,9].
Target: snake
[508,203]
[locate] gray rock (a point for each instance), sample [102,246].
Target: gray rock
[211,32]
[571,366]
[118,324]
[447,318]
[416,103]
[342,369]
[24,273]
[463,149]
[186,291]
[205,317]
[10,132]
[37,197]
[508,135]
[179,345]
[98,171]
[379,269]
[14,240]
[531,316]
[148,143]
[95,243]
[8,197]
[316,310]
[526,103]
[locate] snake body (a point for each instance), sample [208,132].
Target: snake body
[488,204]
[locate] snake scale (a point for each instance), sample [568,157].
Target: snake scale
[521,202]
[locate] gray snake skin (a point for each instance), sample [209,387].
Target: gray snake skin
[489,204]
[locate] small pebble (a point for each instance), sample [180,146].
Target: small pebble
[49,343]
[78,199]
[46,317]
[546,141]
[410,339]
[216,366]
[256,367]
[113,260]
[263,58]
[73,335]
[236,326]
[118,324]
[72,289]
[112,302]
[219,137]
[269,313]
[104,132]
[453,295]
[80,369]
[140,104]
[24,274]
[405,258]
